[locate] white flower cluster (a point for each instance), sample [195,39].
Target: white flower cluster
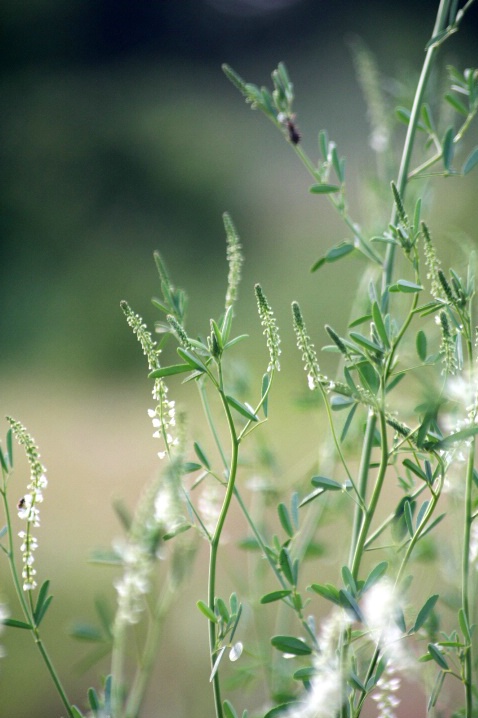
[325,696]
[28,506]
[163,418]
[385,693]
[134,583]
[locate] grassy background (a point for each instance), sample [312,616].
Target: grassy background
[120,135]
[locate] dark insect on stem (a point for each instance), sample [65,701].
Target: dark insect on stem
[292,129]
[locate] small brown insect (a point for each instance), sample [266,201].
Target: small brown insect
[22,503]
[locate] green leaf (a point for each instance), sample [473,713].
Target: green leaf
[379,324]
[169,371]
[204,608]
[123,513]
[282,710]
[275,596]
[76,713]
[458,436]
[3,461]
[93,700]
[464,625]
[228,708]
[218,334]
[201,455]
[86,632]
[243,409]
[415,469]
[421,513]
[310,497]
[323,143]
[375,575]
[334,254]
[437,686]
[424,613]
[348,422]
[10,447]
[349,580]
[456,104]
[191,359]
[437,656]
[348,602]
[286,565]
[470,162]
[40,608]
[324,188]
[180,529]
[421,345]
[326,484]
[13,623]
[366,343]
[290,644]
[403,285]
[326,591]
[448,148]
[285,519]
[264,388]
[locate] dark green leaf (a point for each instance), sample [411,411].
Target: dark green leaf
[93,700]
[191,359]
[169,371]
[421,344]
[437,656]
[285,520]
[365,342]
[424,612]
[380,325]
[326,591]
[286,565]
[275,596]
[324,188]
[470,162]
[41,613]
[305,674]
[415,469]
[456,104]
[290,644]
[243,409]
[326,484]
[13,623]
[42,596]
[448,148]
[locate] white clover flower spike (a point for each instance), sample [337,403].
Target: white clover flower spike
[28,505]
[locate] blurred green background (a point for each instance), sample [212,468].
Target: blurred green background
[120,135]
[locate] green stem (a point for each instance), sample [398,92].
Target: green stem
[215,546]
[369,513]
[28,610]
